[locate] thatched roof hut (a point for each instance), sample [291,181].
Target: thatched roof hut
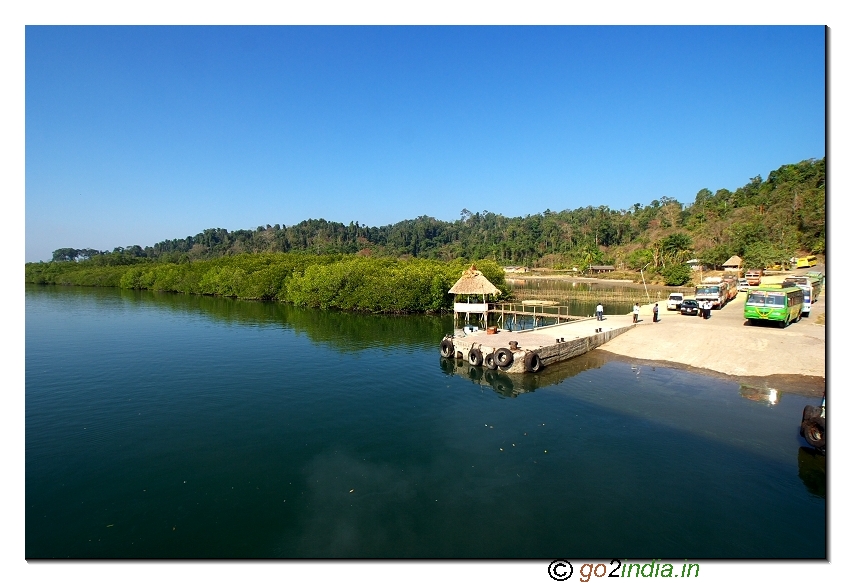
[473,282]
[733,262]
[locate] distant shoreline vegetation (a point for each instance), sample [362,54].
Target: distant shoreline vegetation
[405,266]
[376,285]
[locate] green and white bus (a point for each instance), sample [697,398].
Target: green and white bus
[781,303]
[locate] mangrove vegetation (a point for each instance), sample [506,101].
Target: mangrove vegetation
[376,285]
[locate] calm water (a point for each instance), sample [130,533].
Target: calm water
[161,425]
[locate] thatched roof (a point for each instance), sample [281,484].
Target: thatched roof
[473,282]
[733,261]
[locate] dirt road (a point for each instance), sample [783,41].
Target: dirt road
[793,358]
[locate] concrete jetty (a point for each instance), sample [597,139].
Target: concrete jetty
[530,350]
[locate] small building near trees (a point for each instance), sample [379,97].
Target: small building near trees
[733,264]
[474,294]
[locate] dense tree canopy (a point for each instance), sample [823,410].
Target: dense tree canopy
[764,222]
[348,282]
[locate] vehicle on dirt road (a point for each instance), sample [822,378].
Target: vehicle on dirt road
[716,293]
[689,308]
[674,301]
[781,303]
[731,281]
[803,281]
[807,261]
[753,277]
[807,301]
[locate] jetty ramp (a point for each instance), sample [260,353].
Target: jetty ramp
[529,350]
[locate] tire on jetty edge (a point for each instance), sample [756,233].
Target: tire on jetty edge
[447,348]
[814,432]
[490,361]
[475,357]
[810,411]
[532,362]
[504,357]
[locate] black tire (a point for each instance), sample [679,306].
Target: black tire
[490,361]
[504,357]
[814,432]
[532,362]
[475,357]
[447,348]
[785,322]
[810,411]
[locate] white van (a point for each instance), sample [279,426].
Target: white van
[674,302]
[807,300]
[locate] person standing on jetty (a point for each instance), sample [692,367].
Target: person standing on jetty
[635,313]
[599,312]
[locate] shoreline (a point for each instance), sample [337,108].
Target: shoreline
[791,359]
[804,385]
[725,346]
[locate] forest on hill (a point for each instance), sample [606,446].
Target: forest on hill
[763,221]
[410,266]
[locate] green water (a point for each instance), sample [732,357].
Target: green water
[170,426]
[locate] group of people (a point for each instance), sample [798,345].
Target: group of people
[636,313]
[704,311]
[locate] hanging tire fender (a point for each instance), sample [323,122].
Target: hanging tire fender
[814,432]
[810,411]
[475,357]
[504,357]
[490,361]
[532,362]
[447,348]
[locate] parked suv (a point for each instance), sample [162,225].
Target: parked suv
[674,301]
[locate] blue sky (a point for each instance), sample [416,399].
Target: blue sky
[139,134]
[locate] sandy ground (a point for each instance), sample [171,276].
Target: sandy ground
[793,358]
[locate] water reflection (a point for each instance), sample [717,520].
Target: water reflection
[514,385]
[344,331]
[766,395]
[811,467]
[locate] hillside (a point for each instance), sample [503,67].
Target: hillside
[764,222]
